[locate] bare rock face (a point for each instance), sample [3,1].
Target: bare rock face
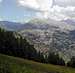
[50,35]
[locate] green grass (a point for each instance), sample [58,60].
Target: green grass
[10,64]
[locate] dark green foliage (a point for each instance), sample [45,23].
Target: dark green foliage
[71,63]
[40,57]
[55,59]
[13,44]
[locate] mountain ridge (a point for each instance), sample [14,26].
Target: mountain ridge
[50,36]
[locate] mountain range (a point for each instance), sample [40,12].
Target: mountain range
[69,21]
[47,35]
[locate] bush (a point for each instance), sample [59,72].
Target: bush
[71,63]
[55,59]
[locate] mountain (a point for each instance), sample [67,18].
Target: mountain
[47,35]
[53,36]
[10,25]
[36,24]
[69,21]
[14,26]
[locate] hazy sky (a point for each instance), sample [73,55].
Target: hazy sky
[22,10]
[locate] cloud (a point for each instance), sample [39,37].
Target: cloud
[67,12]
[42,5]
[55,9]
[58,13]
[29,3]
[65,3]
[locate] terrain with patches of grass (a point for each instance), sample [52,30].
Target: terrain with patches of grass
[9,64]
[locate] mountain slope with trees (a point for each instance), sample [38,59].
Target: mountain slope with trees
[14,44]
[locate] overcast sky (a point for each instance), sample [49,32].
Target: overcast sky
[22,10]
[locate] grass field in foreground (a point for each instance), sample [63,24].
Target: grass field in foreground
[9,64]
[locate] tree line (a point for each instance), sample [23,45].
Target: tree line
[13,44]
